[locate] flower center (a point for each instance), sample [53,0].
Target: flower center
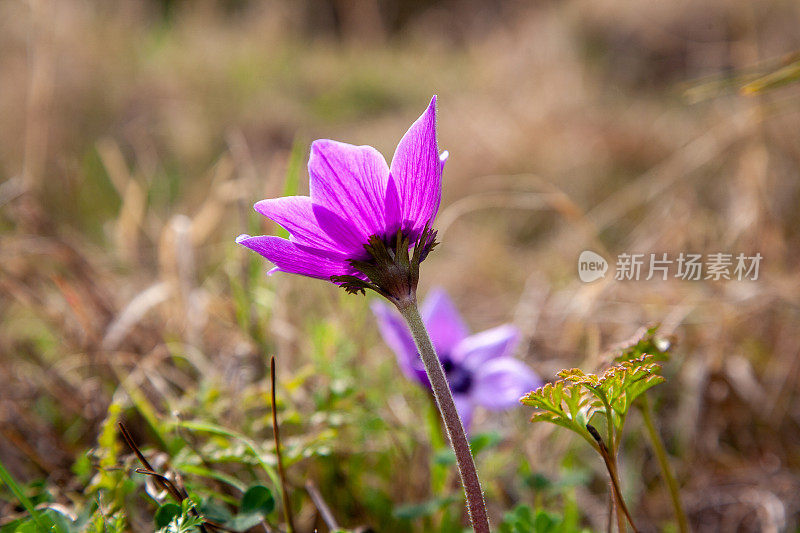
[460,378]
[389,269]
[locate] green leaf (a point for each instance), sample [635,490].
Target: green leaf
[243,522]
[523,515]
[258,499]
[257,503]
[427,508]
[545,522]
[538,481]
[624,382]
[215,511]
[518,520]
[29,527]
[562,403]
[620,384]
[166,513]
[174,518]
[572,401]
[484,441]
[523,519]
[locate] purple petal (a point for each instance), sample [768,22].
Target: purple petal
[465,408]
[343,233]
[394,208]
[309,225]
[398,337]
[444,324]
[289,257]
[478,349]
[501,382]
[351,182]
[417,172]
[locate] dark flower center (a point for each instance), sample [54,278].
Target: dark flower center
[460,378]
[389,269]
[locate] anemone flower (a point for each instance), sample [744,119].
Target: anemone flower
[479,367]
[366,225]
[362,216]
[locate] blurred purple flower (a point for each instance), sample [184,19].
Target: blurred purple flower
[479,367]
[357,201]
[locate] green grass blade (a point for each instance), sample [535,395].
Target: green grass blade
[12,484]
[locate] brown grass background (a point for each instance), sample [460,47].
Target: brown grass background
[134,137]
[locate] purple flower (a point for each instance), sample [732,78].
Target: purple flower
[479,367]
[362,216]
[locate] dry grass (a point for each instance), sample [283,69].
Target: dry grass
[131,149]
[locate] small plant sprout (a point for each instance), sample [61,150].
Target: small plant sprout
[577,399]
[647,341]
[367,226]
[479,367]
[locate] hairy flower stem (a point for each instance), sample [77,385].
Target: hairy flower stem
[663,462]
[447,407]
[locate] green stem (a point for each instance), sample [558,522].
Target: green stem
[447,407]
[611,465]
[618,437]
[663,462]
[621,527]
[622,509]
[609,420]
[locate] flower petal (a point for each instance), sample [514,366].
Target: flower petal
[394,208]
[476,350]
[351,182]
[444,324]
[417,172]
[289,257]
[343,233]
[309,225]
[501,382]
[465,408]
[398,337]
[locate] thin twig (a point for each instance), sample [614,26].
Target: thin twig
[322,507]
[287,509]
[612,471]
[169,487]
[162,481]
